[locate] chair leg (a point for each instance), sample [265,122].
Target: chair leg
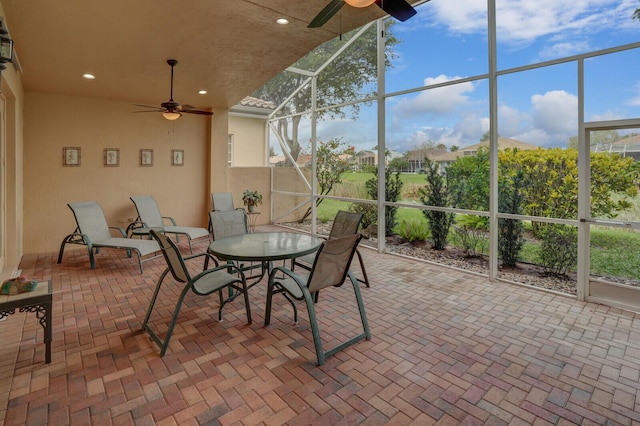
[245,290]
[61,252]
[174,319]
[315,331]
[363,315]
[365,281]
[267,310]
[153,298]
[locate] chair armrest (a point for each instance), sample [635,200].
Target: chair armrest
[208,257]
[135,225]
[119,229]
[227,267]
[172,220]
[288,273]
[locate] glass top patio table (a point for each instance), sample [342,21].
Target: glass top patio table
[265,246]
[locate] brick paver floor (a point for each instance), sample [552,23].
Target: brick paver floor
[448,348]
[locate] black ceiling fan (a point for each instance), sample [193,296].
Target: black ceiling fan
[399,9]
[172,110]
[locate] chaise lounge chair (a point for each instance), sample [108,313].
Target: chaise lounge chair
[149,217]
[93,231]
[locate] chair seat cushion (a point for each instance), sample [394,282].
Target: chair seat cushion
[143,246]
[191,231]
[213,281]
[290,284]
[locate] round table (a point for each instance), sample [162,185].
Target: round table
[265,246]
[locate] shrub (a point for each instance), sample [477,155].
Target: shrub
[510,231]
[558,250]
[413,230]
[369,213]
[471,234]
[435,194]
[393,190]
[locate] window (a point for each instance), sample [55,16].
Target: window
[230,151]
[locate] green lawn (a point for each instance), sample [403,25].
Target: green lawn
[614,252]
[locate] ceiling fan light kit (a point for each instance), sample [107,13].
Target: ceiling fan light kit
[172,110]
[171,115]
[399,9]
[360,3]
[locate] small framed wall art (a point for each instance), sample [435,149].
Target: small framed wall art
[71,156]
[177,157]
[111,157]
[146,157]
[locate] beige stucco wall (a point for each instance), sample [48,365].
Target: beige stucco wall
[249,144]
[52,122]
[253,178]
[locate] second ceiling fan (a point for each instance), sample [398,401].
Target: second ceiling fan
[399,9]
[172,110]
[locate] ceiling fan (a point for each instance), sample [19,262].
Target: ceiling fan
[172,110]
[399,9]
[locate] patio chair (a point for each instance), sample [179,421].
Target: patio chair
[149,217]
[344,224]
[330,268]
[223,201]
[205,283]
[93,231]
[229,223]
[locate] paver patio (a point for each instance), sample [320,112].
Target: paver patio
[448,347]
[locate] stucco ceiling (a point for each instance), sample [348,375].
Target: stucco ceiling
[227,47]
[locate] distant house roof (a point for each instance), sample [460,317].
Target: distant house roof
[631,143]
[627,147]
[279,160]
[503,143]
[253,107]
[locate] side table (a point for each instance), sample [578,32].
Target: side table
[40,301]
[252,217]
[145,231]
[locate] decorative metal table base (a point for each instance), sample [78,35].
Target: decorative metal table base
[40,301]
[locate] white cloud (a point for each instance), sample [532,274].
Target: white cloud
[511,121]
[524,21]
[635,100]
[556,112]
[441,100]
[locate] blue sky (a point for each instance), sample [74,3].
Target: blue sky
[447,40]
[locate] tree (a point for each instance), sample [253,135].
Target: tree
[600,140]
[398,164]
[636,15]
[343,80]
[332,160]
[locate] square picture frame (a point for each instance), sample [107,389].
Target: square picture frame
[177,157]
[71,156]
[146,157]
[112,157]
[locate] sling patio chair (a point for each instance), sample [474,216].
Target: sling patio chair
[229,223]
[344,224]
[209,281]
[149,217]
[330,268]
[93,231]
[223,201]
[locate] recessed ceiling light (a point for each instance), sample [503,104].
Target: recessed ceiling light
[89,76]
[202,92]
[282,21]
